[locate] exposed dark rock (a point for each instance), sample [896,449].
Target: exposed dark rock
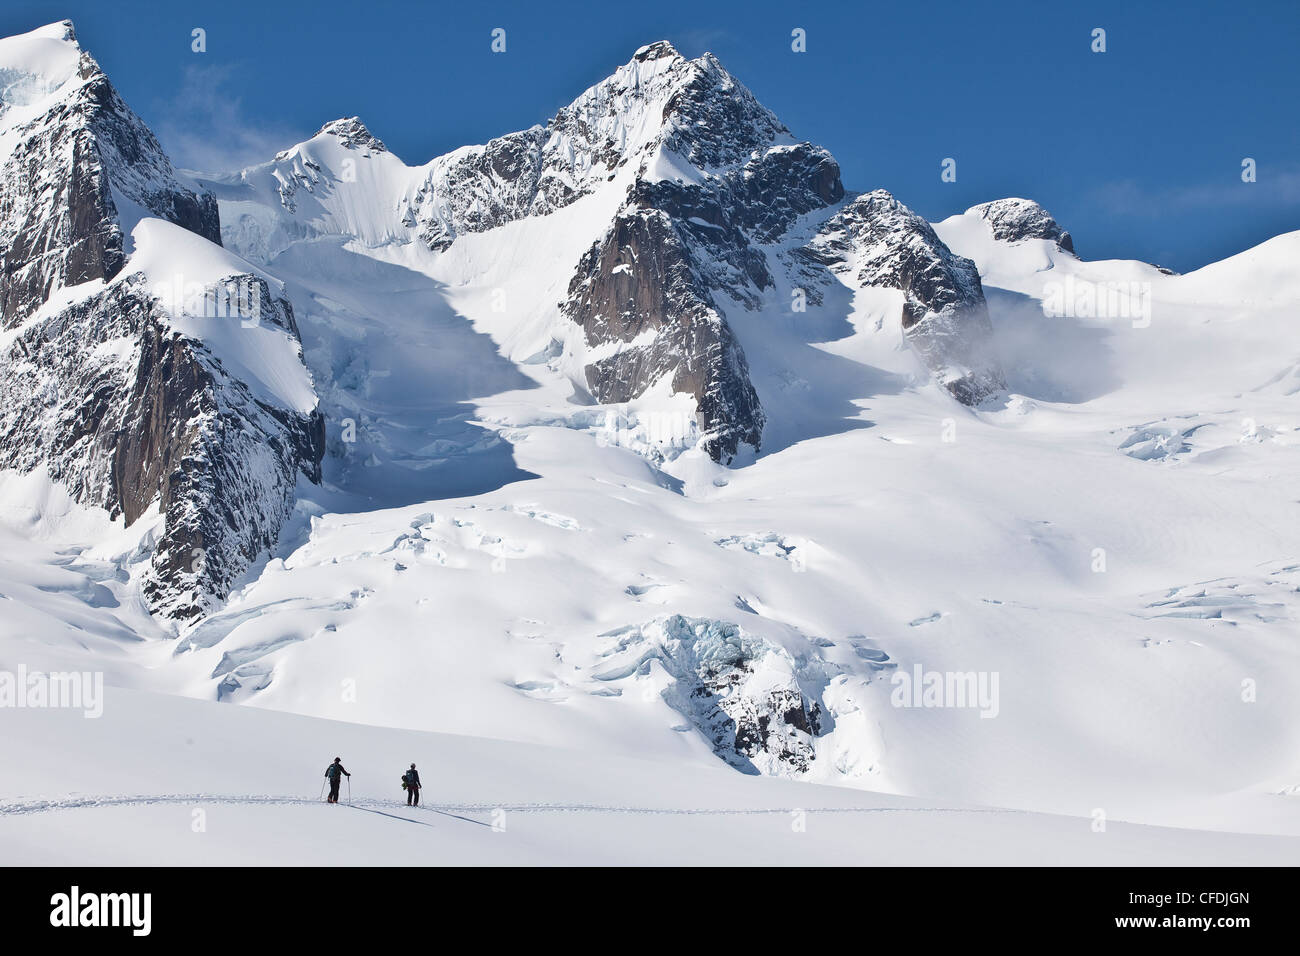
[353,134]
[693,109]
[728,217]
[638,292]
[164,426]
[59,223]
[945,318]
[1014,220]
[488,186]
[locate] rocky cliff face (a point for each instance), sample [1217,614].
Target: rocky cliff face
[124,408]
[658,103]
[881,243]
[130,415]
[717,196]
[647,316]
[720,178]
[648,289]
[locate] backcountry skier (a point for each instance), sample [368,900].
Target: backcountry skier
[411,784]
[335,773]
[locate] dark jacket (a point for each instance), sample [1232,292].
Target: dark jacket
[334,769]
[412,778]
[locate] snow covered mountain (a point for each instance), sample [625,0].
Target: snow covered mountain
[701,202]
[119,374]
[80,170]
[635,433]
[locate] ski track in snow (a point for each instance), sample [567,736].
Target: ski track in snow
[369,803]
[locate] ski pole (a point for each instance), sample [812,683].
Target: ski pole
[321,796]
[349,790]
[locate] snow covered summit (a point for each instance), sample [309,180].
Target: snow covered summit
[685,205]
[80,170]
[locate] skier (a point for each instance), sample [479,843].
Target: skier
[411,784]
[336,773]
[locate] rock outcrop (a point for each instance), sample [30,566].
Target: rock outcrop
[741,692]
[132,416]
[352,133]
[647,316]
[881,243]
[659,103]
[1014,220]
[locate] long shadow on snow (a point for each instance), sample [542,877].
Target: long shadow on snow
[391,816]
[1049,358]
[397,370]
[806,391]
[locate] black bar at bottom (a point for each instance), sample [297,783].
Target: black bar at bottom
[378,904]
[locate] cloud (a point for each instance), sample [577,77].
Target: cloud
[1277,187]
[205,128]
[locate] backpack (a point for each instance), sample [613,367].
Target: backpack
[332,771]
[408,779]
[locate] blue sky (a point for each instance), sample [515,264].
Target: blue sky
[1137,151]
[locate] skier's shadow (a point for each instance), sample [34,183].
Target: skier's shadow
[455,816]
[445,813]
[391,816]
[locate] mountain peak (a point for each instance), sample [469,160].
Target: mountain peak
[1015,220]
[38,64]
[660,49]
[659,116]
[353,134]
[100,170]
[61,30]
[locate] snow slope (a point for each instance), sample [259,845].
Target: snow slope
[241,787]
[535,611]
